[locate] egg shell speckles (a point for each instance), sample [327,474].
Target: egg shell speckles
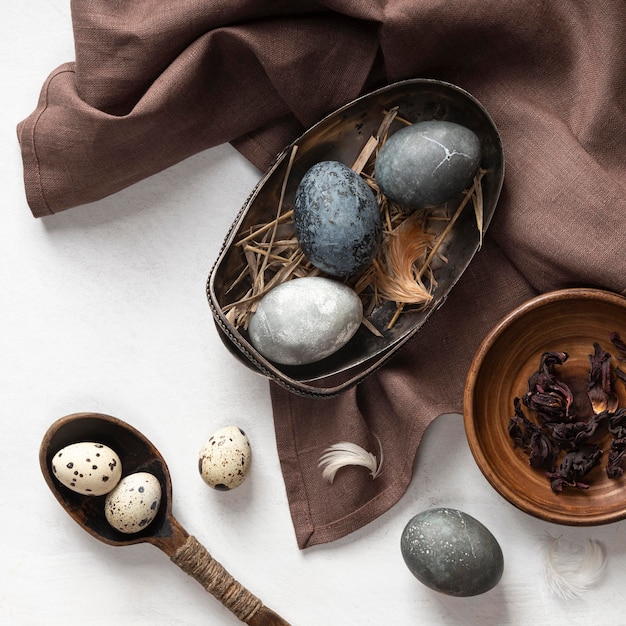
[337,219]
[452,552]
[225,458]
[134,503]
[428,163]
[305,320]
[87,467]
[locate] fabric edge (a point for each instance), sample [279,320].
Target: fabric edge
[307,534]
[26,130]
[285,440]
[30,167]
[383,502]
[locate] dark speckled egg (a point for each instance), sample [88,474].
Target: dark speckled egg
[337,219]
[451,552]
[428,163]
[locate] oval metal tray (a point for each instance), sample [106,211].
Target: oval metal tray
[341,136]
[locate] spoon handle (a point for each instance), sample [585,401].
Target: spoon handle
[194,559]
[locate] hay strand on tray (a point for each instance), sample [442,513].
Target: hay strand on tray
[279,209]
[263,229]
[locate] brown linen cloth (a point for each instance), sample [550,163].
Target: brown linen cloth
[158,80]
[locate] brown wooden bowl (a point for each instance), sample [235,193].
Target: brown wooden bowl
[569,320]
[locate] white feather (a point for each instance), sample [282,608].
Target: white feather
[571,569]
[345,453]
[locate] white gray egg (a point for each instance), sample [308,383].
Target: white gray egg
[225,458]
[134,503]
[87,467]
[452,552]
[305,320]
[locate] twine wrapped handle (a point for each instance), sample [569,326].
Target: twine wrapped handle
[194,559]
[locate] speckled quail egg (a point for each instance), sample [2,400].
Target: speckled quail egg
[428,163]
[452,552]
[134,503]
[87,467]
[225,458]
[305,320]
[337,219]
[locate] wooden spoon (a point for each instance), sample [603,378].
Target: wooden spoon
[138,454]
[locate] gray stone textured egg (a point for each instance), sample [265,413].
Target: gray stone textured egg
[452,552]
[225,458]
[134,503]
[428,163]
[337,219]
[87,467]
[305,320]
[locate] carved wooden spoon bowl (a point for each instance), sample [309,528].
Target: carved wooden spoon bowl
[165,532]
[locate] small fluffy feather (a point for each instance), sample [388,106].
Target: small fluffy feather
[571,569]
[400,263]
[345,453]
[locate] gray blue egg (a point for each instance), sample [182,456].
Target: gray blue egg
[337,219]
[452,552]
[305,320]
[427,163]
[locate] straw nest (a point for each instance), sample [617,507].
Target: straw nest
[405,268]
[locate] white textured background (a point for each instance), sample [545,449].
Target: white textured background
[103,309]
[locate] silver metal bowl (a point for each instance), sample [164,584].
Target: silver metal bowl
[341,136]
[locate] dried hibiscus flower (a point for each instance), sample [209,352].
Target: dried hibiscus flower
[558,433]
[617,423]
[616,340]
[572,434]
[528,436]
[575,465]
[551,399]
[600,391]
[617,449]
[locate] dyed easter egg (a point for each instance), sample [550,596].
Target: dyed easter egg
[427,163]
[452,552]
[87,467]
[337,219]
[305,320]
[134,503]
[225,458]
